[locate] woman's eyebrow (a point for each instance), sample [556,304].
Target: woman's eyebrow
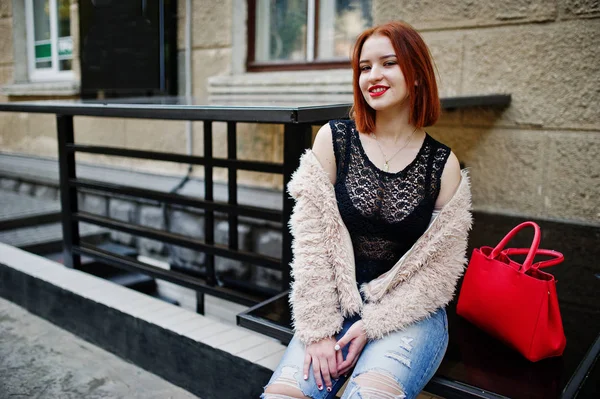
[381,58]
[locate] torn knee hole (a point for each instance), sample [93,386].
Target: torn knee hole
[377,385]
[285,386]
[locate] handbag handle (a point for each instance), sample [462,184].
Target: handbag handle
[558,257]
[534,244]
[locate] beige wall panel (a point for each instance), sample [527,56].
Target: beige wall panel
[579,8]
[5,8]
[573,176]
[6,40]
[550,70]
[13,127]
[207,63]
[31,134]
[506,167]
[447,51]
[434,14]
[211,23]
[156,135]
[104,132]
[259,142]
[6,75]
[449,118]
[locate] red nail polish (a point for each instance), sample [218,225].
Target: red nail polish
[328,389]
[320,387]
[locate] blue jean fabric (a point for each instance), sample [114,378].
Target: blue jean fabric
[410,357]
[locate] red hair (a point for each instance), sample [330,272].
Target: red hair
[416,64]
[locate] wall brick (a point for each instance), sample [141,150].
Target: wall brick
[211,25]
[432,14]
[447,51]
[550,70]
[6,75]
[5,8]
[579,8]
[6,41]
[207,63]
[506,167]
[573,176]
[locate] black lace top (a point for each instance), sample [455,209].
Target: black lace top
[384,212]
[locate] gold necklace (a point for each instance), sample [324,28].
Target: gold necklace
[386,165]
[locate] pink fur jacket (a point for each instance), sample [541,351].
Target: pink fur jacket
[324,290]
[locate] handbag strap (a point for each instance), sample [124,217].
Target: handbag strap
[558,257]
[534,244]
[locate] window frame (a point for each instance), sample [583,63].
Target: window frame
[52,74]
[312,46]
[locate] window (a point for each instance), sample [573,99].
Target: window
[304,34]
[49,41]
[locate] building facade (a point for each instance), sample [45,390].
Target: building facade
[537,158]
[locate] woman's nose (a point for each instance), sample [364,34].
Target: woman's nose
[375,74]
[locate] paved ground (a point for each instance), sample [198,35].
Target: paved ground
[40,360]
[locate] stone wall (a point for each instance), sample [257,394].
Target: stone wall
[539,156]
[536,158]
[6,45]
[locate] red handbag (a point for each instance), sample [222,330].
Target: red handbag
[515,303]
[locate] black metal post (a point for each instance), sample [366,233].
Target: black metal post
[297,137]
[232,183]
[68,194]
[199,302]
[209,216]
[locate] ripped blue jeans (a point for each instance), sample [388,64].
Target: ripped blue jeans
[397,366]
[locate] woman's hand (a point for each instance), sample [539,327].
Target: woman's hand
[357,338]
[325,361]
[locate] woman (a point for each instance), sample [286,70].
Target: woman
[380,232]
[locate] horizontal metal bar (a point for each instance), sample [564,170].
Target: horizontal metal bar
[33,220]
[169,198]
[491,100]
[180,240]
[265,327]
[163,274]
[448,389]
[167,112]
[174,109]
[255,166]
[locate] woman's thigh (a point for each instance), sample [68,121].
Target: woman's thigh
[401,363]
[289,372]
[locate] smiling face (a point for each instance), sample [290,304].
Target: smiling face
[381,80]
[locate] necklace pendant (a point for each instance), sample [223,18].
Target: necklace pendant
[386,166]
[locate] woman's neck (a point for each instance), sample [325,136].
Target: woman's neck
[393,125]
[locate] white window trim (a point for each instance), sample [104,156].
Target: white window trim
[47,74]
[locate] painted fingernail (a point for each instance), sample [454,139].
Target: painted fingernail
[336,347]
[320,387]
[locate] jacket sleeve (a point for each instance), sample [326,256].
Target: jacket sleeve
[439,263]
[314,298]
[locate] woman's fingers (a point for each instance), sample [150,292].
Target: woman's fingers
[307,359]
[332,362]
[317,372]
[339,359]
[324,362]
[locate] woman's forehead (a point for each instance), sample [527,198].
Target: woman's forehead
[376,46]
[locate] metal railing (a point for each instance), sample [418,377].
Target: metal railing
[297,122]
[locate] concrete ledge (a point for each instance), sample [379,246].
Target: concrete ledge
[206,357]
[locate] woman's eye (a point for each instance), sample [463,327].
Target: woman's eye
[365,68]
[389,63]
